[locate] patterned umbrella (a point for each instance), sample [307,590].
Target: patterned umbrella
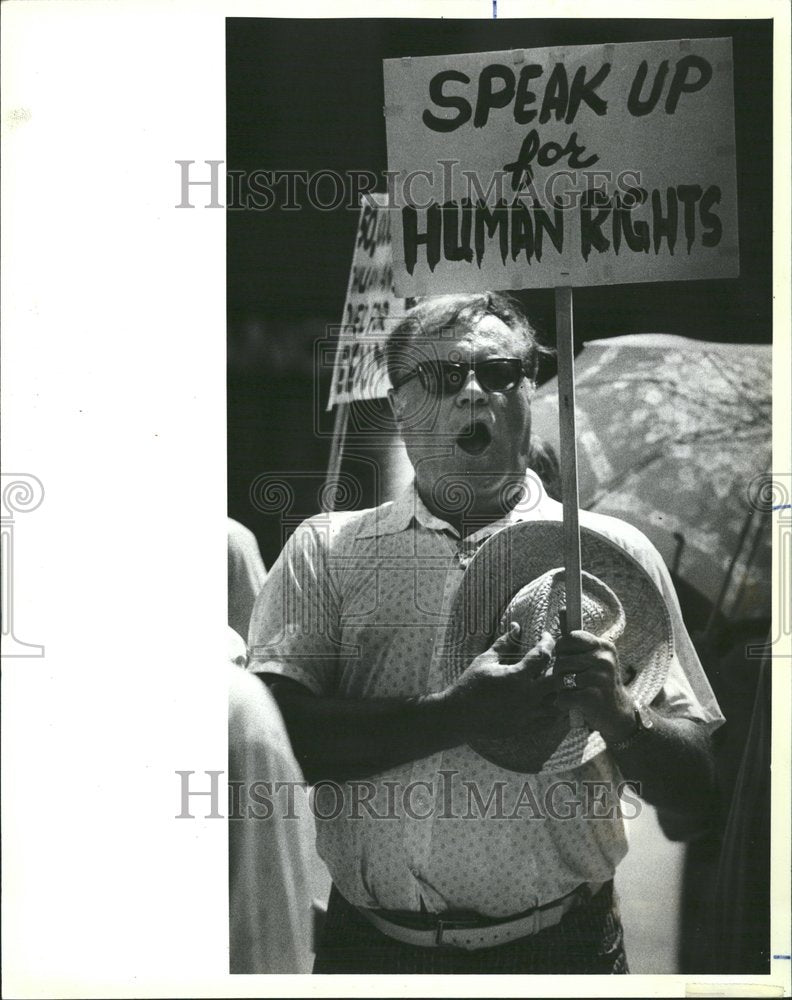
[672,435]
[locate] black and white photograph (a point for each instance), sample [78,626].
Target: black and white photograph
[459,333]
[571,207]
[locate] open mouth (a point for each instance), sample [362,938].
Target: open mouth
[475,438]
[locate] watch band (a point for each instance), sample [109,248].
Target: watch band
[642,724]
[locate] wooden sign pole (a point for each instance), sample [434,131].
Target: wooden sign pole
[572,619]
[569,477]
[336,452]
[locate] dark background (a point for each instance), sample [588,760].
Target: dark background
[308,95]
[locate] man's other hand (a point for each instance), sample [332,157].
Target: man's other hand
[591,666]
[505,690]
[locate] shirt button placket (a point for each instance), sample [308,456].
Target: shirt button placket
[418,822]
[418,831]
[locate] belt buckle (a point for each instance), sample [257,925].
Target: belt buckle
[535,918]
[458,924]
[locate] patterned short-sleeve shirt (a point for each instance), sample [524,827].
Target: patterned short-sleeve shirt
[355,607]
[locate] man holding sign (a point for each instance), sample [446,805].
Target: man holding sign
[418,655]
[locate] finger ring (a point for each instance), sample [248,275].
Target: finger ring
[569,681]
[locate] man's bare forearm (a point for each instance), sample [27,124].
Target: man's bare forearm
[343,739]
[673,765]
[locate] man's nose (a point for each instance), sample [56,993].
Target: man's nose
[471,391]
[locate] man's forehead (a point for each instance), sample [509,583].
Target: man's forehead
[482,333]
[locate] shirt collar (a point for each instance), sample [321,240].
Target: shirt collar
[407,507]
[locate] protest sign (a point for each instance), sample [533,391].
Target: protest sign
[369,310]
[569,166]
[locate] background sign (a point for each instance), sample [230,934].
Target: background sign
[370,309]
[580,165]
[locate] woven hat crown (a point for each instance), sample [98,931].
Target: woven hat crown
[537,608]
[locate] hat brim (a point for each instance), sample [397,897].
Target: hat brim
[504,564]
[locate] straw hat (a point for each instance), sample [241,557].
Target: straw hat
[514,576]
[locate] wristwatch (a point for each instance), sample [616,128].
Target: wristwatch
[643,723]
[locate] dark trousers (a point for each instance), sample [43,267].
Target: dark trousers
[588,939]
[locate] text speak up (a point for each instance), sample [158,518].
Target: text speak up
[498,87]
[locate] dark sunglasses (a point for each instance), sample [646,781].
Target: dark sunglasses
[446,378]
